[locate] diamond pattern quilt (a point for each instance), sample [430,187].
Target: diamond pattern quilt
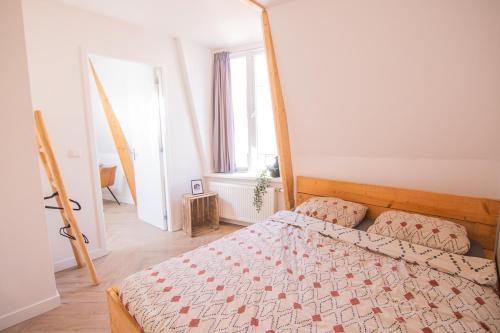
[294,273]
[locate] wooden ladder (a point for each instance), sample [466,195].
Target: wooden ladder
[51,167]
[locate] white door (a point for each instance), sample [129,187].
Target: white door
[134,93]
[147,147]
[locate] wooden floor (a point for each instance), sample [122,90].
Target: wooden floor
[133,245]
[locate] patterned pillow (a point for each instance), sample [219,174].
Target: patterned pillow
[335,210]
[423,230]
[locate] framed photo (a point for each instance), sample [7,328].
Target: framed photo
[196,187]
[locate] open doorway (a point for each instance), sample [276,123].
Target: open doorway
[134,92]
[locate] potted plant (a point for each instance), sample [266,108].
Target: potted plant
[274,169]
[263,183]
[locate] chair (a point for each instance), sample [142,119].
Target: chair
[108,179]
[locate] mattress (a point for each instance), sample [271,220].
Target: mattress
[294,273]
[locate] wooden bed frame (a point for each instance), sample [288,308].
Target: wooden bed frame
[120,320]
[478,215]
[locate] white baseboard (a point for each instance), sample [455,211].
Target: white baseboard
[71,262]
[231,221]
[30,311]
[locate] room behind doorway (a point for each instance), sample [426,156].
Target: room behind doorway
[135,93]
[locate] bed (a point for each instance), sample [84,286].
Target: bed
[294,273]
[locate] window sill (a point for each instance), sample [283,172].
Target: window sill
[239,176]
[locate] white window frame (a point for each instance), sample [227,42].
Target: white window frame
[251,110]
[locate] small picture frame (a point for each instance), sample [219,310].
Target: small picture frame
[196,187]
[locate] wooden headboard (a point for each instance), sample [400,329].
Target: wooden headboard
[478,215]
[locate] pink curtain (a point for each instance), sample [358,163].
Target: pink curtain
[223,120]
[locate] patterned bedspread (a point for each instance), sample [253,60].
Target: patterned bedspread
[294,273]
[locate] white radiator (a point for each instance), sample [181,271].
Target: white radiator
[235,202]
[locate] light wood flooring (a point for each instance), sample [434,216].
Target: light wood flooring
[133,245]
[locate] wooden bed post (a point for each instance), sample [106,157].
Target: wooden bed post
[280,121]
[120,320]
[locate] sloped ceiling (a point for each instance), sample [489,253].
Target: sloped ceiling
[213,23]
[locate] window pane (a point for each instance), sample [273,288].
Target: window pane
[239,95]
[266,137]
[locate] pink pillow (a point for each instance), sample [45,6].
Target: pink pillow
[423,230]
[334,210]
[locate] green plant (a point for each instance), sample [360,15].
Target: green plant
[263,183]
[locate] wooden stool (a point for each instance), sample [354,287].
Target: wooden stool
[200,213]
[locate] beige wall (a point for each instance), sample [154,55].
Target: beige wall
[27,285]
[57,35]
[402,93]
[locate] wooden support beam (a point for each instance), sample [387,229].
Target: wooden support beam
[255,3]
[118,137]
[280,121]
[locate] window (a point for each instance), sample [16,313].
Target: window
[255,139]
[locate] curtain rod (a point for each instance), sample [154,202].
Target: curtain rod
[239,50]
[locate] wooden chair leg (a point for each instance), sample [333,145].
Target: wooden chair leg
[118,202]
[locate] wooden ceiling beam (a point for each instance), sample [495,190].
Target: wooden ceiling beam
[255,3]
[280,119]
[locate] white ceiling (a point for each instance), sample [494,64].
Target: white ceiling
[214,23]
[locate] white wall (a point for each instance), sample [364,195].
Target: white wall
[27,285]
[56,35]
[198,67]
[401,93]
